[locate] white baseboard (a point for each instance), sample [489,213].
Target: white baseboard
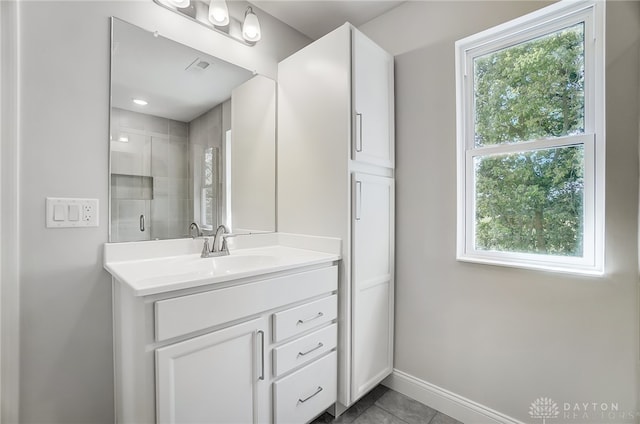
[456,406]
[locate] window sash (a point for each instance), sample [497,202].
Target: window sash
[587,260]
[521,37]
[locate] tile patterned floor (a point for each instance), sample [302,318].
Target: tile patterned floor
[385,406]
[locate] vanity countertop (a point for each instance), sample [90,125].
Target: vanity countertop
[159,274]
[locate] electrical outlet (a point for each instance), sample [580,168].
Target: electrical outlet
[90,212]
[70,212]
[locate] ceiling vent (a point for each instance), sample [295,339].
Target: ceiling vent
[198,65]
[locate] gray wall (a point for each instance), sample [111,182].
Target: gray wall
[499,336]
[66,348]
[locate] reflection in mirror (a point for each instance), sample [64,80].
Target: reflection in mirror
[192,140]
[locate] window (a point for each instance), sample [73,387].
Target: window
[530,125]
[209,189]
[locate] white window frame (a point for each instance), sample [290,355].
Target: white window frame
[544,21]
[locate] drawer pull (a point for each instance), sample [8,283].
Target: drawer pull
[318,390]
[312,350]
[304,321]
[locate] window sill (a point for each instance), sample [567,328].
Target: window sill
[546,267]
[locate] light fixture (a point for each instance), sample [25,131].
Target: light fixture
[219,13]
[140,102]
[251,27]
[214,14]
[181,4]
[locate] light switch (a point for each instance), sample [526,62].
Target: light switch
[59,212]
[74,212]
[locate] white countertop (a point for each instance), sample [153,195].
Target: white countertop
[147,276]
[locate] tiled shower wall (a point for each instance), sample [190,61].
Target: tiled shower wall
[149,177]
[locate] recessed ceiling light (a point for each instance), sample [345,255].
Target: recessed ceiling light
[140,102]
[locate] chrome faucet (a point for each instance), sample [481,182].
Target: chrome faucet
[198,232]
[219,246]
[219,241]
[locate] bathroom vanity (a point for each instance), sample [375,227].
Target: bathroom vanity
[286,326]
[246,338]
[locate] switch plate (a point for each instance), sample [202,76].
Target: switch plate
[71,212]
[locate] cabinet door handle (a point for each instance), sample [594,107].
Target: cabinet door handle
[304,321]
[142,223]
[261,355]
[358,199]
[318,390]
[311,350]
[359,132]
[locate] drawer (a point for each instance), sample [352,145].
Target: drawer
[298,398]
[304,350]
[302,318]
[181,315]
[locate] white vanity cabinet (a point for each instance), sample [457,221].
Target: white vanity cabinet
[336,178]
[258,349]
[214,378]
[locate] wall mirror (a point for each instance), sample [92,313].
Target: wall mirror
[192,139]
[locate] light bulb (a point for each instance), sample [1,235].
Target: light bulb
[251,27]
[140,102]
[218,12]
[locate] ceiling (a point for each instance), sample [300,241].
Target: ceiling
[158,70]
[315,18]
[165,74]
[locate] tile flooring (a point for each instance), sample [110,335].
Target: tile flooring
[385,406]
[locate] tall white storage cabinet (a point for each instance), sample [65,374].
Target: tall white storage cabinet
[336,178]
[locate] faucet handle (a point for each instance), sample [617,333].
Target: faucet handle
[225,247]
[205,249]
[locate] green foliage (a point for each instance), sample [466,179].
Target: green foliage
[531,201]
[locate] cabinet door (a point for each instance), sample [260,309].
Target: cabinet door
[372,102]
[372,281]
[215,378]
